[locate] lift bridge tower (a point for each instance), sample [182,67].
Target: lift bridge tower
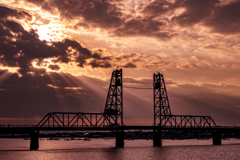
[113,112]
[163,118]
[114,103]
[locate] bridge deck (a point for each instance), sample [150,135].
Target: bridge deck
[30,129]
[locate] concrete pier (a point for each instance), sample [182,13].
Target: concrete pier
[217,138]
[157,138]
[34,144]
[119,138]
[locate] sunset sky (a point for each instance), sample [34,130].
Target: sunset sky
[58,55]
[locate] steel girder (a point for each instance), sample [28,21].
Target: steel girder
[187,121]
[68,120]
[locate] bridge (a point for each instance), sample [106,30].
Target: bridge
[112,118]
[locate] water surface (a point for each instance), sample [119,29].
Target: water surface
[105,149]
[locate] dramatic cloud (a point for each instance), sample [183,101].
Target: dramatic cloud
[142,26]
[94,12]
[54,67]
[195,12]
[225,19]
[158,7]
[6,12]
[64,51]
[107,15]
[20,47]
[220,18]
[129,65]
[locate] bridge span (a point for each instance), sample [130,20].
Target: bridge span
[24,129]
[112,118]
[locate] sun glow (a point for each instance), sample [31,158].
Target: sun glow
[49,32]
[44,33]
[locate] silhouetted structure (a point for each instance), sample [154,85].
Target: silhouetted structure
[162,113]
[112,118]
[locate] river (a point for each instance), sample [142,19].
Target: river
[105,149]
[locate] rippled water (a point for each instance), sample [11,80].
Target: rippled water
[105,149]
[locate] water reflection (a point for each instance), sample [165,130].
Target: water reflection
[104,149]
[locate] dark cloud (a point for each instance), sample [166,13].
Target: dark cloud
[99,56]
[18,48]
[107,14]
[143,27]
[54,67]
[129,65]
[195,11]
[101,64]
[225,19]
[158,7]
[21,50]
[8,12]
[98,13]
[96,56]
[221,18]
[79,52]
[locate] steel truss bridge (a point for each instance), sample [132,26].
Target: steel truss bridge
[112,118]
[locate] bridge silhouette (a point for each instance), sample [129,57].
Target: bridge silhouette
[112,118]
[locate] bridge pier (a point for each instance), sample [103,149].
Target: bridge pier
[217,136]
[34,144]
[119,138]
[157,137]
